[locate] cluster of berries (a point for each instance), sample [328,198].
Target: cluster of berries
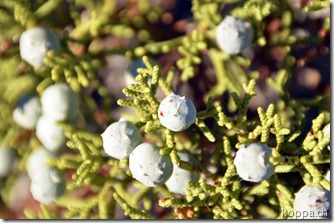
[123,140]
[58,103]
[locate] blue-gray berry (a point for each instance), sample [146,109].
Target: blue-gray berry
[148,166]
[47,185]
[234,35]
[120,138]
[176,113]
[177,183]
[252,162]
[35,43]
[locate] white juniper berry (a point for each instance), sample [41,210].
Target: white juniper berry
[120,138]
[252,162]
[312,199]
[7,159]
[50,134]
[35,43]
[47,185]
[148,166]
[233,35]
[177,183]
[176,113]
[38,160]
[60,102]
[27,111]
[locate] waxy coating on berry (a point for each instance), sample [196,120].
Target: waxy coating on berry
[120,138]
[38,161]
[252,162]
[312,199]
[35,43]
[148,166]
[7,158]
[60,102]
[50,134]
[176,113]
[233,35]
[27,111]
[177,183]
[47,185]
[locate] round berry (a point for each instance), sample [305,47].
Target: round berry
[148,166]
[60,102]
[50,134]
[312,199]
[38,161]
[120,138]
[35,43]
[252,162]
[47,185]
[177,183]
[234,35]
[176,113]
[27,111]
[7,158]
